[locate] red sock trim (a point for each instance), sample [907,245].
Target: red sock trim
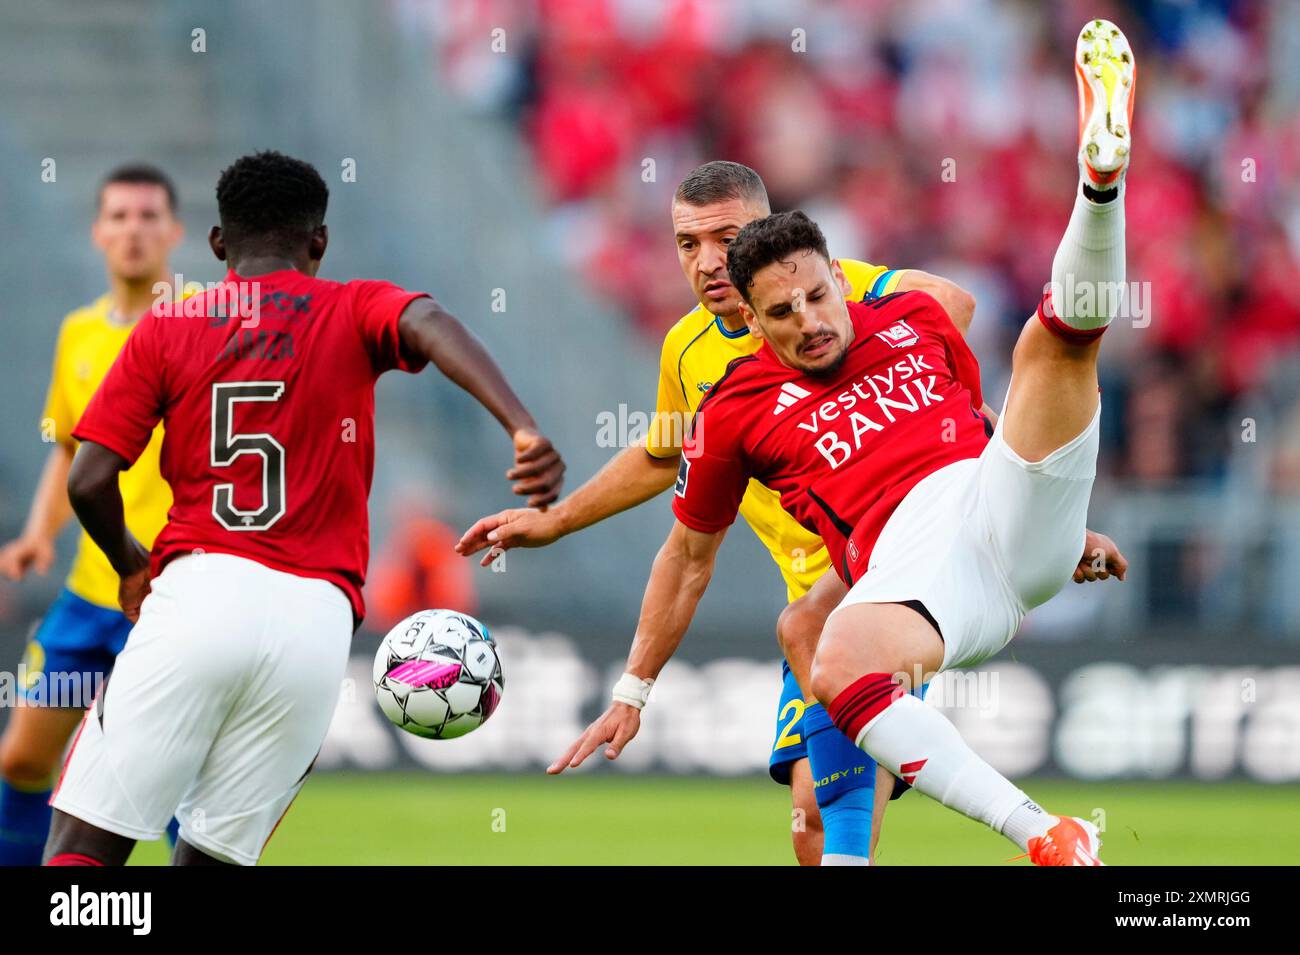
[1075,336]
[862,701]
[73,858]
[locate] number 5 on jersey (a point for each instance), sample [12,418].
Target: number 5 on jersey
[227,446]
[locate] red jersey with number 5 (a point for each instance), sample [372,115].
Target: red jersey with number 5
[266,390]
[842,449]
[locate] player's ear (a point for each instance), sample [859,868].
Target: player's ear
[747,313]
[320,238]
[837,272]
[217,243]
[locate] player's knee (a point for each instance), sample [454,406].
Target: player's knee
[798,628]
[830,667]
[848,648]
[23,766]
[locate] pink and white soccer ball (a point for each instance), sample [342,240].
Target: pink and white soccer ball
[437,674]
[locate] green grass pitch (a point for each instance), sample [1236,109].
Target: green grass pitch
[608,819]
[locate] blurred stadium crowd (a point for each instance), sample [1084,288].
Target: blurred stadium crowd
[853,110]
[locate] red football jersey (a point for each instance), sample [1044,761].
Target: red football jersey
[266,390]
[842,450]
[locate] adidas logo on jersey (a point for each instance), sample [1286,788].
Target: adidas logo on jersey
[790,393]
[899,335]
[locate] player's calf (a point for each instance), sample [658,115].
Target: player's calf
[916,742]
[806,833]
[75,842]
[844,780]
[30,749]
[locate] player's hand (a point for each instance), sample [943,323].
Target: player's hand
[518,527]
[131,593]
[134,586]
[26,553]
[1101,559]
[538,470]
[616,727]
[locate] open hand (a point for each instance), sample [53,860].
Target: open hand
[517,527]
[615,727]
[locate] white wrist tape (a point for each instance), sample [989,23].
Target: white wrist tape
[632,690]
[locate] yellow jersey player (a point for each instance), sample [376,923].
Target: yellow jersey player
[834,798]
[73,649]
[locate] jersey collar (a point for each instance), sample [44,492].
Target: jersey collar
[726,332]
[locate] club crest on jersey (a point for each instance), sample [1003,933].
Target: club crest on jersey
[899,335]
[790,393]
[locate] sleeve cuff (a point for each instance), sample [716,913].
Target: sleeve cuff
[111,441]
[402,363]
[885,283]
[703,527]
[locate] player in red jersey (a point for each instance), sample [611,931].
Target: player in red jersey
[947,529]
[246,607]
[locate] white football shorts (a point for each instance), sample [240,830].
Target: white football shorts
[216,707]
[981,542]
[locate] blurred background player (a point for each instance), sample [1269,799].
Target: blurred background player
[246,607]
[831,786]
[135,229]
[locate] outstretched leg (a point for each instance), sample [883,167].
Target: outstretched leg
[1053,394]
[1048,429]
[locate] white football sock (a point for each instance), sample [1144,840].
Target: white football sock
[1026,821]
[909,732]
[1088,272]
[834,858]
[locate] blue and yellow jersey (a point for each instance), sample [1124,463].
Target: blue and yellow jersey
[695,354]
[89,341]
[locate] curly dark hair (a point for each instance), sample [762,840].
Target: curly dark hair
[772,239]
[270,199]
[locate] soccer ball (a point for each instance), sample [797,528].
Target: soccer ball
[437,674]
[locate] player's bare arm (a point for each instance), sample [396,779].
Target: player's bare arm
[631,477]
[431,332]
[95,496]
[678,579]
[956,301]
[33,549]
